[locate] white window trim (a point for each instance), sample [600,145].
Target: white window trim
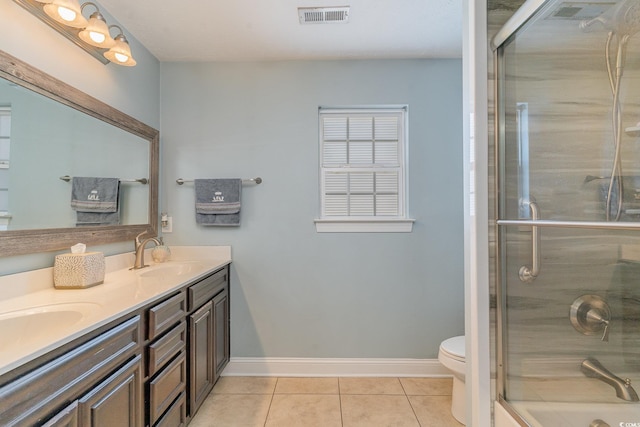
[364,225]
[400,224]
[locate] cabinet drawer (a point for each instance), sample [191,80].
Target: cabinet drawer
[207,288]
[166,314]
[176,415]
[29,399]
[166,347]
[167,386]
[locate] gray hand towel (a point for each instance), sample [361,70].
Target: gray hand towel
[95,200]
[218,201]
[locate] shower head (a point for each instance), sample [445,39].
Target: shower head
[623,19]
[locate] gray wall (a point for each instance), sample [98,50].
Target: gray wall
[131,90]
[297,293]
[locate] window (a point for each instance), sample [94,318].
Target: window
[363,170]
[5,144]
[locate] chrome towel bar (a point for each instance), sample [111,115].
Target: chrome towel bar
[602,225]
[144,181]
[256,180]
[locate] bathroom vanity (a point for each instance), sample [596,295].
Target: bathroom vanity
[145,348]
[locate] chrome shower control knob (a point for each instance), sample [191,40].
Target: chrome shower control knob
[590,314]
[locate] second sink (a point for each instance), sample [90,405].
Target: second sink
[172,269]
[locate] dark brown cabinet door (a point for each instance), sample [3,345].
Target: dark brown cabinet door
[201,368]
[221,332]
[116,401]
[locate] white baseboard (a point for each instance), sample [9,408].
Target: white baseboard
[310,367]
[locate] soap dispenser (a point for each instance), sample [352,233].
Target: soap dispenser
[161,253]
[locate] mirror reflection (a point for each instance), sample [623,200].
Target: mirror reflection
[42,140]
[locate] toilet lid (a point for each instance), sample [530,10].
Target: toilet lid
[454,347]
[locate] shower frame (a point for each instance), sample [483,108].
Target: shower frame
[518,21]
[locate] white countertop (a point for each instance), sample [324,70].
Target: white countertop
[85,310]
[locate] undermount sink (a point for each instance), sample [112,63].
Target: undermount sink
[30,324]
[172,270]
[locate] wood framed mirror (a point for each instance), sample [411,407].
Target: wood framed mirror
[29,239]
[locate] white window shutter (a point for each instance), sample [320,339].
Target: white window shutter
[360,128]
[334,153]
[387,128]
[362,163]
[335,128]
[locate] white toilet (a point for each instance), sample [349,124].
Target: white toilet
[451,355]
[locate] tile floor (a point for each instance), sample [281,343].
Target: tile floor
[327,402]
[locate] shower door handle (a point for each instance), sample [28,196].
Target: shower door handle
[529,274]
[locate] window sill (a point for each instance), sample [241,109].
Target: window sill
[364,225]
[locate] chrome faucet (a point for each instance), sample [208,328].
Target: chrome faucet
[139,246]
[594,369]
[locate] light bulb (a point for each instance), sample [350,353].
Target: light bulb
[120,52]
[97,37]
[66,14]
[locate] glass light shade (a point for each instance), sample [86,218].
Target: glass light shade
[97,34]
[120,52]
[66,12]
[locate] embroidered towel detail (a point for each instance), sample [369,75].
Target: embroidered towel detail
[222,208]
[95,200]
[102,207]
[218,201]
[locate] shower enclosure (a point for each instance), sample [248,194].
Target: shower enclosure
[568,213]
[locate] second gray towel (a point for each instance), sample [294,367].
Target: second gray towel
[218,201]
[95,200]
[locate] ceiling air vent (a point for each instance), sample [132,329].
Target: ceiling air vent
[323,15]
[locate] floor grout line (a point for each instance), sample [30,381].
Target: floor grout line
[273,393]
[409,401]
[272,410]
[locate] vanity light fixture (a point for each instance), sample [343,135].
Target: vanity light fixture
[66,12]
[120,52]
[96,33]
[92,35]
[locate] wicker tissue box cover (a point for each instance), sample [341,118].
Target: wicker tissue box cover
[78,270]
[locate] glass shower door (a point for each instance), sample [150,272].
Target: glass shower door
[568,226]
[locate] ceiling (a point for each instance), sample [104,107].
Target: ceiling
[262,30]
